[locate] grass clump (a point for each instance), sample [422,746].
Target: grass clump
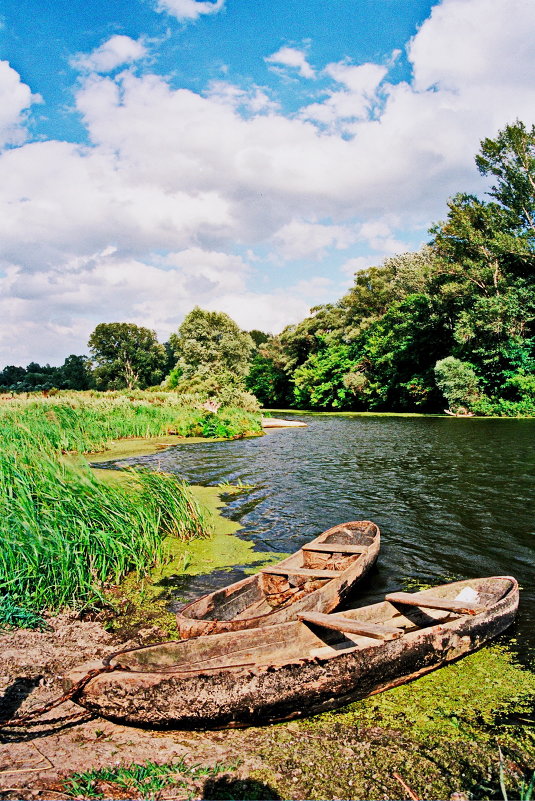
[141,780]
[82,423]
[66,535]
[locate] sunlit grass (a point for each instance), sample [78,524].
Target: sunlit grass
[66,535]
[145,780]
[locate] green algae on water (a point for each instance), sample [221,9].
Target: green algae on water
[441,734]
[143,602]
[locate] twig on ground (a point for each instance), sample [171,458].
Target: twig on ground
[406,787]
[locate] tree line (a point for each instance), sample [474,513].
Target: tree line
[453,323]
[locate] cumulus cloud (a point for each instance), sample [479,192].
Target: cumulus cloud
[144,221]
[355,101]
[190,10]
[15,99]
[44,311]
[298,239]
[115,52]
[292,57]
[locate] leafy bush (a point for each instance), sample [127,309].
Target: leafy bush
[458,383]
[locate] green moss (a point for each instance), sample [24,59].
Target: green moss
[439,734]
[462,700]
[142,446]
[141,603]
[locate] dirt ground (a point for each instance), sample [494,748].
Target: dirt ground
[34,759]
[404,744]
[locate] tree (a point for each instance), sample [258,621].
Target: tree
[11,375]
[398,353]
[75,373]
[126,355]
[486,284]
[458,383]
[259,337]
[511,158]
[211,342]
[268,381]
[327,380]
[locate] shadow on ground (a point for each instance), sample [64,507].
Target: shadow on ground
[238,789]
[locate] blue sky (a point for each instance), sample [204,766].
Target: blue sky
[246,157]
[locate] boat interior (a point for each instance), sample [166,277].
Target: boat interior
[318,635]
[274,587]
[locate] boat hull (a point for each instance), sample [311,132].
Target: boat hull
[254,694]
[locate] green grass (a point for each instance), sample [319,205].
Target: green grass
[66,535]
[81,423]
[147,779]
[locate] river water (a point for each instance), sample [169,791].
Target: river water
[453,497]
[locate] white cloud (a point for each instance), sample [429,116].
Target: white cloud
[115,52]
[292,57]
[355,101]
[15,99]
[189,10]
[465,46]
[254,100]
[196,175]
[379,236]
[298,239]
[44,311]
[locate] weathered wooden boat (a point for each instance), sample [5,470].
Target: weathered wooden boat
[301,667]
[316,578]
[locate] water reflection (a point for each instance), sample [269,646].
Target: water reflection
[453,497]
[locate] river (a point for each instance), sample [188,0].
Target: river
[453,497]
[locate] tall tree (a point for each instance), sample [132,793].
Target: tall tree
[75,373]
[126,355]
[511,158]
[211,342]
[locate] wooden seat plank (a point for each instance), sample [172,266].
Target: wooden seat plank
[334,547]
[339,623]
[415,599]
[300,571]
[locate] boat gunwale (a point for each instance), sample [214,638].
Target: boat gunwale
[253,622]
[292,662]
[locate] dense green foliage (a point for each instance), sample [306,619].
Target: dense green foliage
[453,324]
[212,358]
[211,342]
[74,373]
[126,355]
[65,534]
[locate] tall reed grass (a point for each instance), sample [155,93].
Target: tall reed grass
[82,423]
[65,534]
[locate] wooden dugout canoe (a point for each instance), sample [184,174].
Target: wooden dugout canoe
[316,578]
[300,667]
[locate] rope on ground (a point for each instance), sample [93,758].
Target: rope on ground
[23,720]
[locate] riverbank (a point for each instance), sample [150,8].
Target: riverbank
[428,415]
[437,736]
[67,535]
[456,733]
